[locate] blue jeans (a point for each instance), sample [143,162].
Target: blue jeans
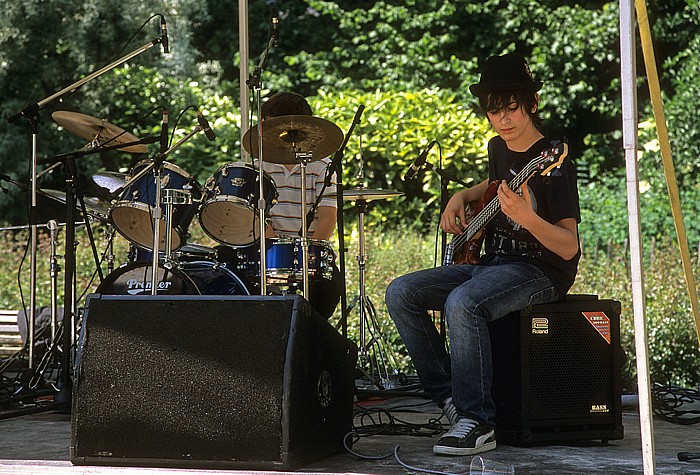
[470,296]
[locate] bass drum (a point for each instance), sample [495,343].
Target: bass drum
[190,278]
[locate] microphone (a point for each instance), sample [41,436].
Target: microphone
[420,161]
[275,31]
[164,132]
[688,456]
[204,124]
[164,35]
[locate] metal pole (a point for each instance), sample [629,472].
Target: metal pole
[243,71]
[629,142]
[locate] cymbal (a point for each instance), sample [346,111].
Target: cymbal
[368,194]
[110,180]
[97,130]
[94,206]
[289,134]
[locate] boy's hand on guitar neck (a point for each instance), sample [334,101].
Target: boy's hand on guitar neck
[458,211]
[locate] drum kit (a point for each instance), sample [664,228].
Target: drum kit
[226,208]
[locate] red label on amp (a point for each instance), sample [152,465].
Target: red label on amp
[600,322]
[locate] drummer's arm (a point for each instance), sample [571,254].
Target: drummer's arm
[269,232]
[327,217]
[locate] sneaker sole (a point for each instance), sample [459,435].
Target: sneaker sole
[446,450]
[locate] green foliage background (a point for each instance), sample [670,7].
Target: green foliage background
[409,63]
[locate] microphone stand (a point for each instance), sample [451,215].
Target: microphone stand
[336,167]
[31,113]
[445,179]
[255,84]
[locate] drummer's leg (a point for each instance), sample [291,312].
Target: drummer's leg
[324,294]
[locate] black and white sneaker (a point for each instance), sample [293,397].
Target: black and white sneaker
[466,437]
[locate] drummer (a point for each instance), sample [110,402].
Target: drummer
[286,218]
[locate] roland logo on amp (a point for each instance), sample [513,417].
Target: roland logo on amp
[540,326]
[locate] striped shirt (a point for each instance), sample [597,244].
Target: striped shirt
[286,219]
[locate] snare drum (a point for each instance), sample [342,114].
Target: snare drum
[132,215]
[229,212]
[190,278]
[283,260]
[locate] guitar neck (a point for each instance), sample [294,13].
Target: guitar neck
[494,206]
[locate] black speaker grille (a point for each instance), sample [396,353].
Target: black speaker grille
[162,382]
[570,368]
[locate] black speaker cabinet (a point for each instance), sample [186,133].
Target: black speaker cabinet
[209,381]
[557,372]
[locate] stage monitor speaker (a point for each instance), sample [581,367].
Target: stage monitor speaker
[209,381]
[557,372]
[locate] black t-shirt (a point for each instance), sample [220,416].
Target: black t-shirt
[554,197]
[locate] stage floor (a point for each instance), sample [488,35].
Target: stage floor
[39,443]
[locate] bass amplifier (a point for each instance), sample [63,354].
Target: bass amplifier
[251,382]
[557,372]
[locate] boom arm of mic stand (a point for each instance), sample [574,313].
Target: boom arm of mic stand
[73,87]
[444,174]
[332,168]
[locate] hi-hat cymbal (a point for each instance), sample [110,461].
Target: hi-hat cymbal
[368,194]
[97,130]
[289,134]
[95,207]
[110,180]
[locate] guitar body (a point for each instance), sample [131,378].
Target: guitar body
[470,251]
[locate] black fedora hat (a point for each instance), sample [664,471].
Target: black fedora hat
[509,71]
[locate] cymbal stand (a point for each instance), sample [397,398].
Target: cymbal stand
[157,167]
[303,158]
[371,353]
[157,172]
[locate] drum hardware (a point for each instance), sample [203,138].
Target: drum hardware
[293,139]
[171,198]
[372,352]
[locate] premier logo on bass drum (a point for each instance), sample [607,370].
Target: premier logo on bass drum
[135,286]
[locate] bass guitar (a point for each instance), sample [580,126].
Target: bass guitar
[465,248]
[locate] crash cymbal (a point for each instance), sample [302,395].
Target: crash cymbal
[95,206]
[289,134]
[368,194]
[110,180]
[98,131]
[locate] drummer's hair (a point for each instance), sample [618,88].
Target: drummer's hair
[285,103]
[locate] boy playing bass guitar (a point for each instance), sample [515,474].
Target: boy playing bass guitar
[527,216]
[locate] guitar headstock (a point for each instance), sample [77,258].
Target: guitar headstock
[552,158]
